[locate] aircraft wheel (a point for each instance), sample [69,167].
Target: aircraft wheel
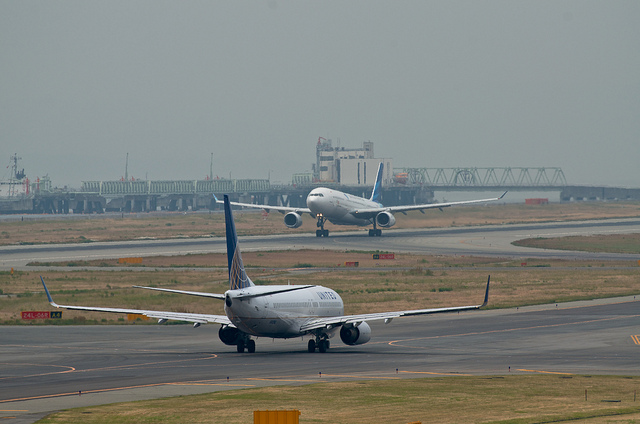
[311,347]
[240,346]
[323,346]
[325,233]
[318,233]
[251,346]
[378,232]
[372,233]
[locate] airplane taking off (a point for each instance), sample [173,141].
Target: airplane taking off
[339,208]
[274,311]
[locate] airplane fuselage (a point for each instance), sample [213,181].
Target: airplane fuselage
[336,206]
[280,315]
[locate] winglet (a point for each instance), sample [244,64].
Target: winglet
[503,195]
[46,290]
[375,194]
[238,278]
[216,199]
[486,294]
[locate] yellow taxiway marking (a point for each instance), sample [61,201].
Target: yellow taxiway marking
[358,376]
[437,373]
[55,395]
[546,372]
[113,389]
[69,369]
[508,330]
[323,375]
[211,384]
[66,369]
[636,339]
[282,380]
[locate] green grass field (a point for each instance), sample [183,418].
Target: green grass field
[514,399]
[411,282]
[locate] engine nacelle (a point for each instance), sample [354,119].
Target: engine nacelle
[229,335]
[385,219]
[292,220]
[352,335]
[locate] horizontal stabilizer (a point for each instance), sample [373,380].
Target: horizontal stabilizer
[191,293]
[160,315]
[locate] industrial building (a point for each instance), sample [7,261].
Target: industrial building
[351,167]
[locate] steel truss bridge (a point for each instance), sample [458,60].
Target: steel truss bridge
[432,178]
[413,182]
[475,178]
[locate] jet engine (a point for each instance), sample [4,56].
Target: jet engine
[229,335]
[385,219]
[352,335]
[292,220]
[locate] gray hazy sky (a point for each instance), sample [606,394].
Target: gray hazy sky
[432,84]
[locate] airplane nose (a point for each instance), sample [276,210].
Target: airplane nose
[311,201]
[316,205]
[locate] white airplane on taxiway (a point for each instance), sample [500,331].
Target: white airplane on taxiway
[327,204]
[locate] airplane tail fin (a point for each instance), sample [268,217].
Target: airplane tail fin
[238,278]
[375,194]
[486,293]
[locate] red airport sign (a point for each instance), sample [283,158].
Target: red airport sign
[41,314]
[384,256]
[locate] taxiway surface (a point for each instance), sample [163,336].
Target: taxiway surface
[494,240]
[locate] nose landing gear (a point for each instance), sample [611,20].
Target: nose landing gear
[320,224]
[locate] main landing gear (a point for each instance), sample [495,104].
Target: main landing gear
[376,231]
[249,344]
[322,344]
[320,224]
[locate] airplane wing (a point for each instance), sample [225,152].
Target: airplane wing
[281,209]
[160,315]
[330,322]
[372,212]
